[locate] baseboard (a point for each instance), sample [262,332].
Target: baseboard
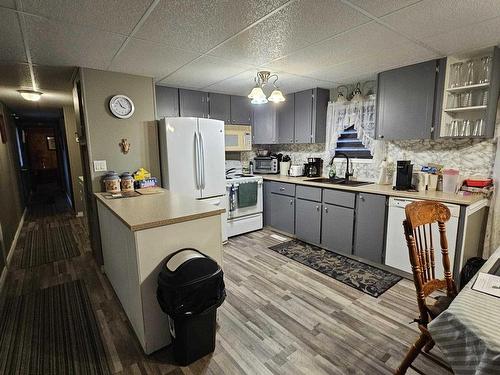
[11,250]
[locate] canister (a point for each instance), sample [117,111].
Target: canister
[112,182]
[127,182]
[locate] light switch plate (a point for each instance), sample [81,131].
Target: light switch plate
[100,166]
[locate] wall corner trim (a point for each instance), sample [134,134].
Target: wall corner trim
[11,250]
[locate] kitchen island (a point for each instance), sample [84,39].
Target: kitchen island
[137,234]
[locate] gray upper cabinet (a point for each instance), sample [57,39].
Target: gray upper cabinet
[310,107]
[264,124]
[193,103]
[241,111]
[286,120]
[408,101]
[337,228]
[370,226]
[167,102]
[220,107]
[283,213]
[308,220]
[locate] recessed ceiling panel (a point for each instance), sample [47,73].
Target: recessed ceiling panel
[361,43]
[150,59]
[11,41]
[431,17]
[199,25]
[292,28]
[204,72]
[54,77]
[467,38]
[53,43]
[379,8]
[112,15]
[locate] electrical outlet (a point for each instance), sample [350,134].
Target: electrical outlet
[100,166]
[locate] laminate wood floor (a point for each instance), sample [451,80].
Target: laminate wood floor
[280,317]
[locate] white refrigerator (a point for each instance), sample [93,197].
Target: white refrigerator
[193,159]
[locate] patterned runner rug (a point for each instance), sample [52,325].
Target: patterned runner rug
[51,331]
[368,279]
[47,244]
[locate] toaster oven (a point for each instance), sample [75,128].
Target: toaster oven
[266,165]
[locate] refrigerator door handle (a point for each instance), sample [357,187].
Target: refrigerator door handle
[197,159]
[202,161]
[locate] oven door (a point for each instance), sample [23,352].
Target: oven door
[234,209]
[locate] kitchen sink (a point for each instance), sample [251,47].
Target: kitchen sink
[339,181]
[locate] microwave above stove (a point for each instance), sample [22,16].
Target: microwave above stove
[265,165]
[238,137]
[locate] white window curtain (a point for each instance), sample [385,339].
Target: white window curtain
[358,113]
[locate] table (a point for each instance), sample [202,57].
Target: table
[468,332]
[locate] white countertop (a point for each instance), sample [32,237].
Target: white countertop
[156,210]
[461,199]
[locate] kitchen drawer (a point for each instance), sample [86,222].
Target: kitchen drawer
[283,188]
[309,193]
[339,198]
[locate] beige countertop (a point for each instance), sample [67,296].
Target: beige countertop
[156,210]
[461,199]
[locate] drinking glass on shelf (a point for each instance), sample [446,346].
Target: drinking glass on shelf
[467,128]
[466,98]
[456,74]
[454,129]
[484,98]
[478,128]
[447,129]
[469,75]
[485,69]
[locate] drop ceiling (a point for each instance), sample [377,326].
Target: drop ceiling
[219,45]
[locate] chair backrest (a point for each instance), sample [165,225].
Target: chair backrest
[420,217]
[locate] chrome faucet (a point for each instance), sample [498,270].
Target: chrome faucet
[347,173]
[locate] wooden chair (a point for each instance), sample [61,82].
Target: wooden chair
[420,216]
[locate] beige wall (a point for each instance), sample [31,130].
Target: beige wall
[75,162]
[11,203]
[104,131]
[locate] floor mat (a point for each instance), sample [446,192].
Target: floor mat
[47,244]
[365,278]
[51,331]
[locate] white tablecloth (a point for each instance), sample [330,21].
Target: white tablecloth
[468,332]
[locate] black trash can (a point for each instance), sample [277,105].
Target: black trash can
[190,289]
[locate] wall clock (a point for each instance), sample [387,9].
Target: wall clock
[121,106]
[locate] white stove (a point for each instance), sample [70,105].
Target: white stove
[244,206]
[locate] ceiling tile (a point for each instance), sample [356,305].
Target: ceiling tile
[204,72]
[8,4]
[52,43]
[292,28]
[240,84]
[432,17]
[11,41]
[380,8]
[467,38]
[292,83]
[150,59]
[112,15]
[199,25]
[15,75]
[54,77]
[362,43]
[385,60]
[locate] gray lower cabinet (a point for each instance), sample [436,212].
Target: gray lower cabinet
[220,107]
[167,102]
[337,228]
[308,220]
[241,110]
[264,124]
[193,103]
[286,120]
[283,213]
[370,226]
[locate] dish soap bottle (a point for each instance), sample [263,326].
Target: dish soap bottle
[332,171]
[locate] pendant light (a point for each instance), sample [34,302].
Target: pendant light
[31,95]
[257,94]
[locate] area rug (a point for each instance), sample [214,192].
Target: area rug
[47,244]
[361,276]
[51,331]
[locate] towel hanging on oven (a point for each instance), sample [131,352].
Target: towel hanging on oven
[247,194]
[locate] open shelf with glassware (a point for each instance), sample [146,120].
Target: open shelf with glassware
[470,95]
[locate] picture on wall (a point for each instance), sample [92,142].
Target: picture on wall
[51,143]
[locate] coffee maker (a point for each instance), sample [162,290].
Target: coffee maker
[404,172]
[313,167]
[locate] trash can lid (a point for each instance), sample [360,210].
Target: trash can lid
[181,257]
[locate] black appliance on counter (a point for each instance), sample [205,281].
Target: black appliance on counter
[313,167]
[404,171]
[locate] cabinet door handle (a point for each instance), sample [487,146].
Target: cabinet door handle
[291,140]
[282,189]
[361,197]
[326,209]
[291,202]
[317,208]
[381,136]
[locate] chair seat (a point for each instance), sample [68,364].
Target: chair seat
[441,304]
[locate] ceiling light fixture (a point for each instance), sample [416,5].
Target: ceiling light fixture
[257,94]
[31,95]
